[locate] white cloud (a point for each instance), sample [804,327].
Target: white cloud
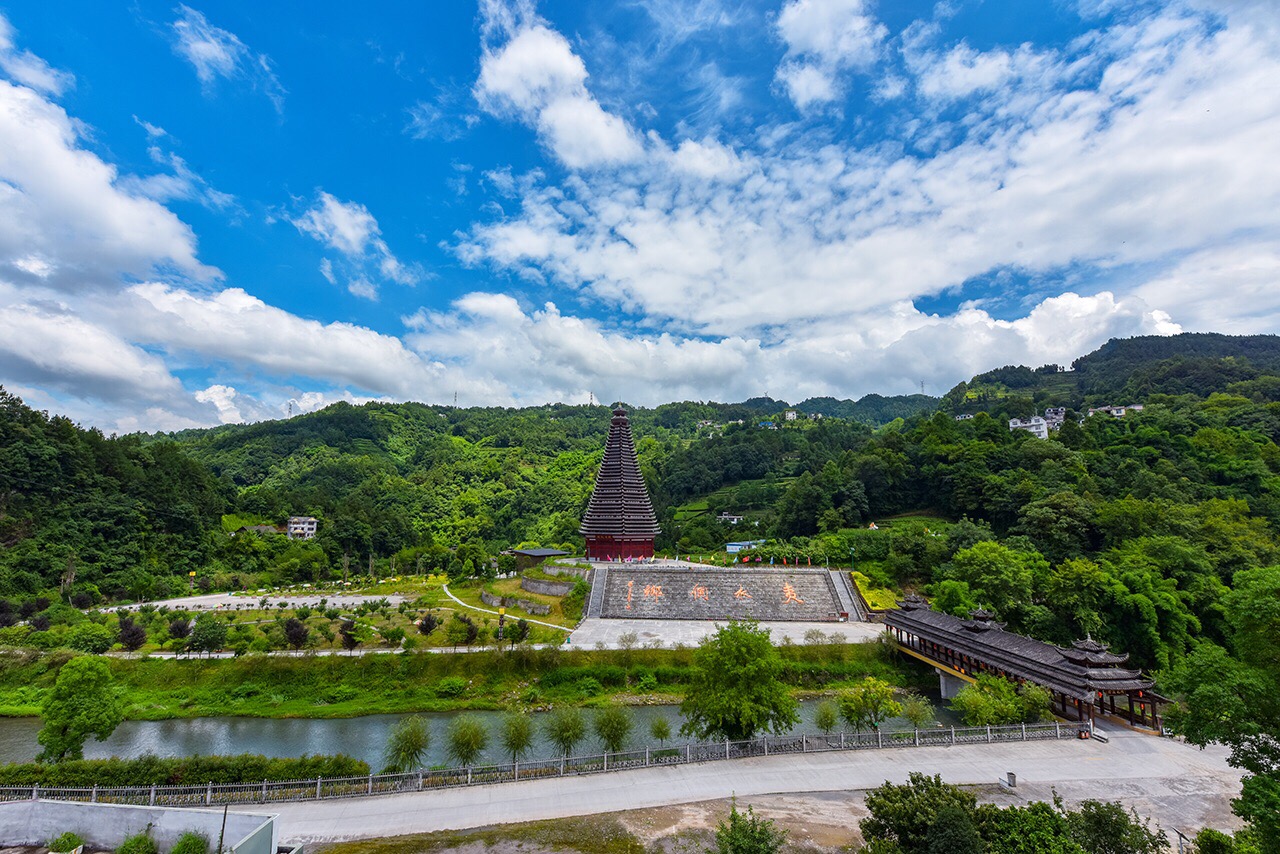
[535,76]
[61,203]
[825,40]
[26,68]
[349,228]
[1207,290]
[217,53]
[48,343]
[1166,152]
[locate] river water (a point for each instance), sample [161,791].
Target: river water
[363,737]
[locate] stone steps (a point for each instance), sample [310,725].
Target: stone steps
[600,576]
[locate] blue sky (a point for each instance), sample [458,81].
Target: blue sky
[214,212]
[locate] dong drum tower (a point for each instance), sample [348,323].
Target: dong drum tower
[619,522]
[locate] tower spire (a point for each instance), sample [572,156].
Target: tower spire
[619,522]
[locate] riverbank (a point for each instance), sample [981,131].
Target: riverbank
[310,686]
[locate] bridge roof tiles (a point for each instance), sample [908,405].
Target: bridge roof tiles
[1018,655]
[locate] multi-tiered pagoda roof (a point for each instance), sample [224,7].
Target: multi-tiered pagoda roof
[619,522]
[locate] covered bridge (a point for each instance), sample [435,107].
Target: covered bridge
[1083,680]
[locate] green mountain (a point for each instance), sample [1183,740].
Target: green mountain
[447,488]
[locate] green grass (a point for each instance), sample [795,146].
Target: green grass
[343,686]
[879,598]
[596,834]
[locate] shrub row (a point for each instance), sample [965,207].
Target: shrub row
[187,770]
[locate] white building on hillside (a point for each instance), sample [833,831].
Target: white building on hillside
[1035,425]
[302,527]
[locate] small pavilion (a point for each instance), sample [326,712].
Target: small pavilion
[1083,679]
[619,523]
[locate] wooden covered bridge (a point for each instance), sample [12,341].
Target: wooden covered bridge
[1083,680]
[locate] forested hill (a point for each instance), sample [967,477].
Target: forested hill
[449,488]
[1126,370]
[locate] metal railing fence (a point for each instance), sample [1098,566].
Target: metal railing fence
[320,788]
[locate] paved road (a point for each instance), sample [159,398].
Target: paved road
[1193,783]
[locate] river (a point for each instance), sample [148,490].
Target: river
[363,737]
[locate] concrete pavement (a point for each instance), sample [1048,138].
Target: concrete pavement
[1197,784]
[595,631]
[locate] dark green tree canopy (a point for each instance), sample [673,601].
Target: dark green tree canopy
[737,690]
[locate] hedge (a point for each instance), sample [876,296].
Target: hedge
[179,771]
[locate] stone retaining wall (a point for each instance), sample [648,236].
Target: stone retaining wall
[546,588]
[556,569]
[495,601]
[719,594]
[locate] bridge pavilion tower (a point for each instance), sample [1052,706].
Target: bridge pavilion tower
[619,522]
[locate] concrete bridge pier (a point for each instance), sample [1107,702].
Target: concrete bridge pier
[949,685]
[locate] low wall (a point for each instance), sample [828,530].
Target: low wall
[546,588]
[107,825]
[495,601]
[556,569]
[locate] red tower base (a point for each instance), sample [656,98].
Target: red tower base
[607,548]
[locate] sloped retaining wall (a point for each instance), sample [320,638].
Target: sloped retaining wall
[495,601]
[556,569]
[546,588]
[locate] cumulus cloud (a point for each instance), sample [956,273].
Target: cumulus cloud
[217,53]
[825,39]
[530,72]
[65,210]
[350,229]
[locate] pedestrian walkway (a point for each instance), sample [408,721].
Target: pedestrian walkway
[1159,767]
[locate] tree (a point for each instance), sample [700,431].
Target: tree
[407,745]
[209,634]
[461,630]
[519,632]
[904,813]
[747,834]
[83,702]
[660,729]
[91,638]
[131,635]
[353,633]
[565,728]
[296,633]
[868,704]
[826,716]
[994,701]
[999,576]
[613,725]
[428,623]
[953,833]
[1106,828]
[467,739]
[517,734]
[736,688]
[917,710]
[180,627]
[1236,700]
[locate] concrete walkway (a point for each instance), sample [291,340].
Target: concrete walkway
[1194,783]
[598,631]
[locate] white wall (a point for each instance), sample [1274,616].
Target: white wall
[107,825]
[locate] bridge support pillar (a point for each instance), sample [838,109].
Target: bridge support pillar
[949,685]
